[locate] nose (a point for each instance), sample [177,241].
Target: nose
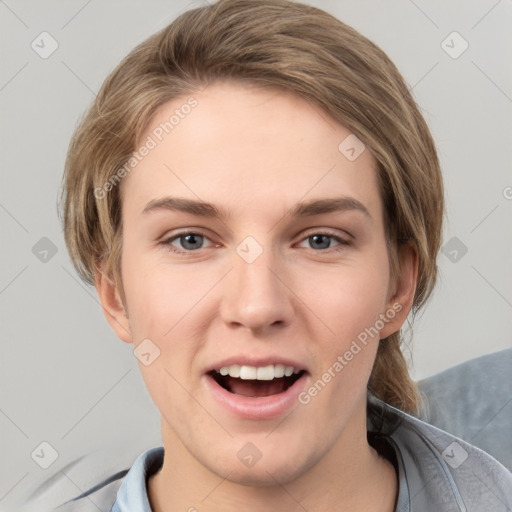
[255,294]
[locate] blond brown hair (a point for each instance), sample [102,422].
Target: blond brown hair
[267,43]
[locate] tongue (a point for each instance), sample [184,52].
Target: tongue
[256,387]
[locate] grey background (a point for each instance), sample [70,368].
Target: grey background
[65,378]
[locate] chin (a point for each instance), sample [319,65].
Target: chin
[277,466]
[263,476]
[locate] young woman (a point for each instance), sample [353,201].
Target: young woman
[258,201]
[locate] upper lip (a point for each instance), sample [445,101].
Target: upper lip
[245,360]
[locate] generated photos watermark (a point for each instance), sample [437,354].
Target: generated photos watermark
[344,359]
[151,142]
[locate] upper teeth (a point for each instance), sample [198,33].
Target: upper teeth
[258,373]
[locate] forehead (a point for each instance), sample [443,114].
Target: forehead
[250,148]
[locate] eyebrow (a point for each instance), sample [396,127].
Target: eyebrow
[304,209]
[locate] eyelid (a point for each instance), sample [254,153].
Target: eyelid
[341,234]
[308,233]
[343,242]
[173,237]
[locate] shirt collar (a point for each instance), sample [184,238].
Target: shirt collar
[133,493]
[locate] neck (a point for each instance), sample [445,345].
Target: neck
[351,476]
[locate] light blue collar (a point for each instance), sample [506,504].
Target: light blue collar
[133,493]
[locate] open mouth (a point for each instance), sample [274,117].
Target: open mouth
[256,382]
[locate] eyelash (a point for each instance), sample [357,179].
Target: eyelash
[343,242]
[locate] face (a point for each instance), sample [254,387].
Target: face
[284,271]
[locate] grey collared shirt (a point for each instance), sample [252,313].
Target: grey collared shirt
[436,471]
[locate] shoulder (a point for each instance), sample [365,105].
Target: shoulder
[481,388]
[440,469]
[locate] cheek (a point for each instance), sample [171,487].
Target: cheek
[349,299]
[167,309]
[171,308]
[160,295]
[349,302]
[345,356]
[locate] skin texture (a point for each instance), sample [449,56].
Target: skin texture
[257,153]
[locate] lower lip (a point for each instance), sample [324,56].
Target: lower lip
[257,408]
